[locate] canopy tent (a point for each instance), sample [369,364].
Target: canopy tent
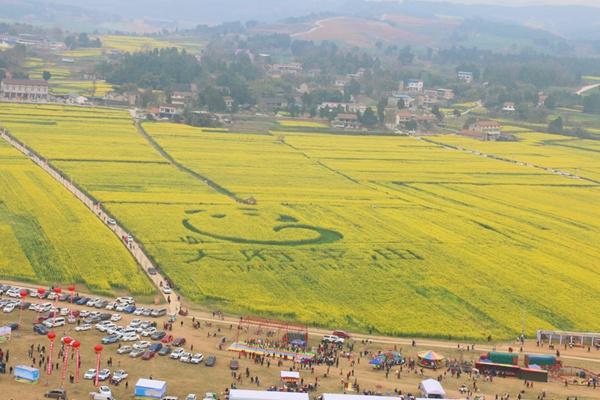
[290,376]
[430,359]
[432,389]
[387,358]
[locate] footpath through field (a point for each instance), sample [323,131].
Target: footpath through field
[132,245]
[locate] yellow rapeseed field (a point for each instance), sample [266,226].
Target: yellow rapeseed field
[395,234]
[48,237]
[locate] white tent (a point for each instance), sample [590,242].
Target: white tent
[336,396]
[236,394]
[432,389]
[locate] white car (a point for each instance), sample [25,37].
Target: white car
[185,357]
[116,317]
[119,375]
[124,350]
[83,327]
[149,331]
[144,344]
[90,373]
[54,322]
[197,358]
[105,327]
[138,311]
[135,323]
[191,396]
[105,390]
[333,339]
[9,308]
[167,290]
[130,337]
[175,354]
[104,374]
[64,311]
[117,330]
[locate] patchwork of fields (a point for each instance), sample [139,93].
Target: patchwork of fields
[391,233]
[49,237]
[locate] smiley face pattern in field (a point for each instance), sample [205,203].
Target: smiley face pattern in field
[246,226]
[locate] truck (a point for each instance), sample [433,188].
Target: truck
[498,357]
[542,360]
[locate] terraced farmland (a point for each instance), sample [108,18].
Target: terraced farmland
[395,234]
[49,237]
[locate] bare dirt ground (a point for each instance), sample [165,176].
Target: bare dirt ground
[186,378]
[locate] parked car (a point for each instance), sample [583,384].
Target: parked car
[179,342]
[59,394]
[142,345]
[158,335]
[112,339]
[148,332]
[40,329]
[185,357]
[54,322]
[148,355]
[197,358]
[210,361]
[167,339]
[119,376]
[90,374]
[83,327]
[333,339]
[234,364]
[166,350]
[341,334]
[130,337]
[124,349]
[116,317]
[136,353]
[155,347]
[175,354]
[104,374]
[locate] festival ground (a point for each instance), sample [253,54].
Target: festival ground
[187,378]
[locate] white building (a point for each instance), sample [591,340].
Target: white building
[236,394]
[465,76]
[415,85]
[24,90]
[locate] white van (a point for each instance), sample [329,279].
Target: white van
[54,322]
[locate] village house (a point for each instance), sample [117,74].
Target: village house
[169,110]
[181,98]
[285,69]
[414,85]
[465,76]
[24,90]
[509,107]
[340,82]
[484,130]
[429,97]
[406,100]
[349,121]
[229,101]
[445,94]
[541,99]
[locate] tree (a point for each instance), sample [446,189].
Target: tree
[46,75]
[435,110]
[369,119]
[556,126]
[591,104]
[411,125]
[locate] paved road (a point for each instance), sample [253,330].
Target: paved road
[132,245]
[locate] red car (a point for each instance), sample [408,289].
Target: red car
[148,355]
[179,342]
[167,339]
[341,334]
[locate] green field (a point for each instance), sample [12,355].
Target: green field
[50,237]
[392,233]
